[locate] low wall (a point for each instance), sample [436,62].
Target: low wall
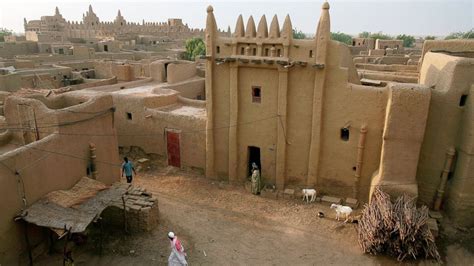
[55,162]
[192,89]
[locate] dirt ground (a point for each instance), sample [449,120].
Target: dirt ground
[221,224]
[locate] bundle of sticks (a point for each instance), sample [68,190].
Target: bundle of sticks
[396,228]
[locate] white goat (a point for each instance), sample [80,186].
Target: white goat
[344,210]
[309,192]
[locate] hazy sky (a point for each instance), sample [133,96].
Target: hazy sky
[416,17]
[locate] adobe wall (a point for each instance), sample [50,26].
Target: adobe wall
[405,122]
[180,71]
[53,171]
[450,78]
[351,106]
[192,89]
[460,200]
[388,68]
[10,82]
[151,115]
[108,69]
[10,50]
[448,45]
[384,44]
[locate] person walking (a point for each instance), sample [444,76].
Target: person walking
[127,169]
[177,256]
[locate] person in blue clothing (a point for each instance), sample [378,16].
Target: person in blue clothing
[127,169]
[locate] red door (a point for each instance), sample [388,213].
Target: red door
[172,139]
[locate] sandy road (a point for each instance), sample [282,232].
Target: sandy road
[221,224]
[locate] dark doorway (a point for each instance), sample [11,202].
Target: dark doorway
[166,72]
[106,48]
[254,157]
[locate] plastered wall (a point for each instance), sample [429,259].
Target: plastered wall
[53,170]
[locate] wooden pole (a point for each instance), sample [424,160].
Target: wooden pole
[444,178]
[360,158]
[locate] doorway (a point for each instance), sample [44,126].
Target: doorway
[172,144]
[254,157]
[106,48]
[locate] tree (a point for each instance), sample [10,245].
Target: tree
[461,35]
[377,35]
[4,32]
[408,40]
[297,34]
[364,34]
[380,35]
[341,37]
[430,37]
[195,47]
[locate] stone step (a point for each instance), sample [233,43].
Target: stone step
[329,199]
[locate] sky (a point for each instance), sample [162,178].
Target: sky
[414,17]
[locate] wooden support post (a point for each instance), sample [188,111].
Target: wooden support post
[360,158]
[444,178]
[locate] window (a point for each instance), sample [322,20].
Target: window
[242,50]
[254,51]
[463,100]
[266,51]
[345,134]
[310,53]
[279,52]
[256,94]
[218,49]
[129,116]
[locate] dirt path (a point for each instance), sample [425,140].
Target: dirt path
[221,224]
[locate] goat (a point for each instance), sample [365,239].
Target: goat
[307,192]
[344,210]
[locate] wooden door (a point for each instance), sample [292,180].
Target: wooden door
[172,140]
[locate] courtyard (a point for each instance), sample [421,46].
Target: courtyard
[223,224]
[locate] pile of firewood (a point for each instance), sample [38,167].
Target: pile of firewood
[396,228]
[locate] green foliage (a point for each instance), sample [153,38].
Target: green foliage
[376,35]
[380,35]
[461,35]
[364,34]
[4,32]
[341,37]
[297,34]
[195,47]
[408,40]
[429,37]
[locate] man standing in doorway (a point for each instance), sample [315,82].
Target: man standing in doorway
[256,180]
[127,169]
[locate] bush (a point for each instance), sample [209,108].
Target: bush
[341,37]
[195,47]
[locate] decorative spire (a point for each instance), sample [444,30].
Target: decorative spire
[90,9]
[119,14]
[262,30]
[323,34]
[250,30]
[56,11]
[211,31]
[287,30]
[274,28]
[239,27]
